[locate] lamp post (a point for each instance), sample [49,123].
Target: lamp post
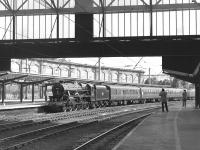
[99,68]
[149,75]
[99,62]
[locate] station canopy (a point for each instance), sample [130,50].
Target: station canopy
[28,79]
[183,67]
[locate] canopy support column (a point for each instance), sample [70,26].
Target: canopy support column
[41,92]
[33,92]
[3,92]
[197,95]
[21,93]
[45,93]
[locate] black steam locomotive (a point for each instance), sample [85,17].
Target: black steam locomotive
[68,97]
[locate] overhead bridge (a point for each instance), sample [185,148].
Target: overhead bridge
[98,28]
[101,47]
[102,28]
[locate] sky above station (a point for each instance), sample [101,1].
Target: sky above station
[137,63]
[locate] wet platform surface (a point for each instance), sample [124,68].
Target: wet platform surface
[178,129]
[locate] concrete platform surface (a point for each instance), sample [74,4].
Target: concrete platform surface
[178,129]
[18,105]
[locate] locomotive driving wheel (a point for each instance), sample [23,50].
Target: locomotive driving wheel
[64,108]
[70,108]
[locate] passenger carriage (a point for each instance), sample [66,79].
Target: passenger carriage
[191,94]
[124,94]
[150,94]
[174,93]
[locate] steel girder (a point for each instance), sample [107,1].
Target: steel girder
[115,47]
[97,10]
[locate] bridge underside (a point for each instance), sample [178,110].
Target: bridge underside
[183,67]
[102,47]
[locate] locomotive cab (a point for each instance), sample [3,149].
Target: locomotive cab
[57,91]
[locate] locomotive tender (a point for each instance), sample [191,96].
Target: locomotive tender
[85,96]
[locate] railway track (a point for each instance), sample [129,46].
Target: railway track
[108,139]
[19,134]
[17,141]
[43,136]
[21,124]
[12,122]
[57,116]
[15,121]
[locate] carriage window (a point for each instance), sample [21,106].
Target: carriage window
[124,92]
[118,92]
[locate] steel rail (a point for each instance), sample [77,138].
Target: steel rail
[65,126]
[71,125]
[10,126]
[103,135]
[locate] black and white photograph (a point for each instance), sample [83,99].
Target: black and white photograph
[99,74]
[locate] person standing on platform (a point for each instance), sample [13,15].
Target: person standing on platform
[184,98]
[163,95]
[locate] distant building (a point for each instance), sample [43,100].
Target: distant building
[172,80]
[158,77]
[63,68]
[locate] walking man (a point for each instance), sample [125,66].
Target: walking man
[163,95]
[184,98]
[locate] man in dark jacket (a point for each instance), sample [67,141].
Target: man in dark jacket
[163,95]
[184,98]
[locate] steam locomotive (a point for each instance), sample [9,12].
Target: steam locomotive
[66,97]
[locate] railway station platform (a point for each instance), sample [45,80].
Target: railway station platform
[11,105]
[178,129]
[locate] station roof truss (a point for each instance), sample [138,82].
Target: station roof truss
[9,78]
[25,79]
[3,74]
